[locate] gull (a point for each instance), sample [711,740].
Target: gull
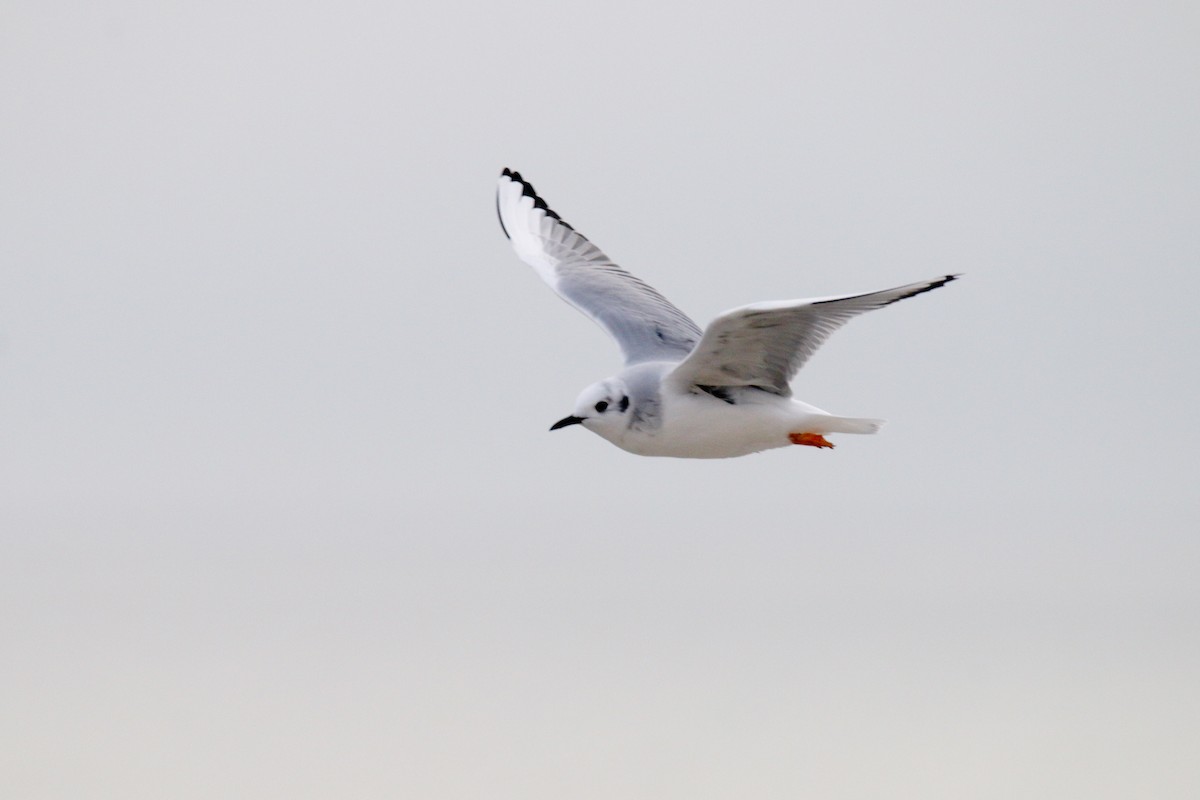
[686,393]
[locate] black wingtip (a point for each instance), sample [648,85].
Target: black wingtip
[946,279]
[921,289]
[505,173]
[500,217]
[527,190]
[929,287]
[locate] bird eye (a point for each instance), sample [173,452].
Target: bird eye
[601,406]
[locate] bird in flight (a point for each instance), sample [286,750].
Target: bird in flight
[686,393]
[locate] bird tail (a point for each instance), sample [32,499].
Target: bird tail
[832,424]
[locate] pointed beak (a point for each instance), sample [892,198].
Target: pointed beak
[565,421]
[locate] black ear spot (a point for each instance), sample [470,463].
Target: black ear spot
[624,404]
[602,406]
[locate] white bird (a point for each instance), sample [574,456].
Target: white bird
[683,393]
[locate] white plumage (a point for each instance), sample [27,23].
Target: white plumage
[714,394]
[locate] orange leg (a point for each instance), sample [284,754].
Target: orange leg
[810,439]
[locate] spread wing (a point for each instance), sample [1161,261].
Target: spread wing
[764,345]
[644,323]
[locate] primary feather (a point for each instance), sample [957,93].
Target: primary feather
[645,324]
[763,345]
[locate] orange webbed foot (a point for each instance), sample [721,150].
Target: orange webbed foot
[810,439]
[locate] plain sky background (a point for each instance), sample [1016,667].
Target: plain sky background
[280,513]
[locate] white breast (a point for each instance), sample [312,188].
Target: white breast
[702,426]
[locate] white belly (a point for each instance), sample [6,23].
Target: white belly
[700,426]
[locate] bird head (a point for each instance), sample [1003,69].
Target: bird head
[602,408]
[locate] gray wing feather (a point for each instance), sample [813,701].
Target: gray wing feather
[764,345]
[645,324]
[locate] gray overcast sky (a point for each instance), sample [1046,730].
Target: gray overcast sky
[279,513]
